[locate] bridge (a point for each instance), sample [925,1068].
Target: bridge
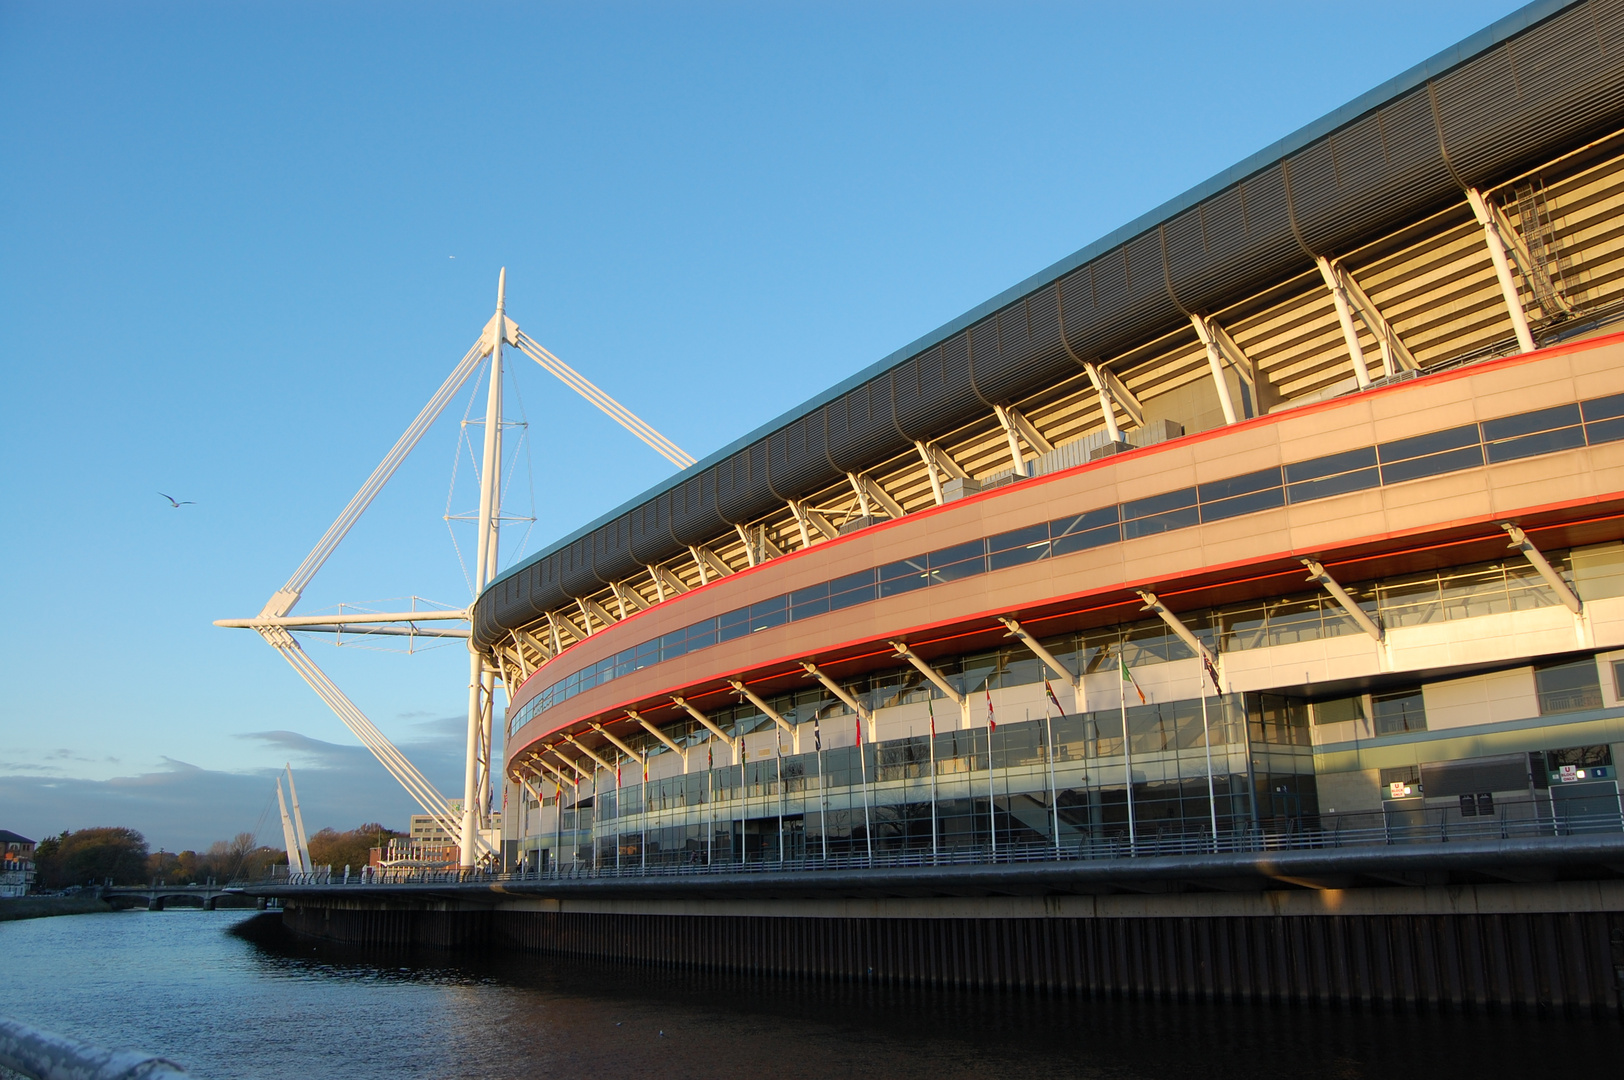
[160,895]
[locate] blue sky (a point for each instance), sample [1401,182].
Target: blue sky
[240,245]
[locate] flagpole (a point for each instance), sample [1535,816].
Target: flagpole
[862,763]
[558,827]
[710,788]
[1206,737]
[643,796]
[1127,755]
[929,705]
[823,793]
[619,817]
[779,746]
[992,794]
[1048,752]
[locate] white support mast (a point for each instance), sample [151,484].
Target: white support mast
[298,825]
[276,621]
[482,681]
[290,842]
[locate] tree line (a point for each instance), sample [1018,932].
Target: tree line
[93,856]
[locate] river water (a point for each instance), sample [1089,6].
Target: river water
[179,984]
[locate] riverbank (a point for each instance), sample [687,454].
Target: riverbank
[41,907]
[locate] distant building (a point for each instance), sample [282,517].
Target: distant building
[16,864]
[428,845]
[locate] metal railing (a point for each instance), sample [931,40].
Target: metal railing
[44,1055]
[1531,819]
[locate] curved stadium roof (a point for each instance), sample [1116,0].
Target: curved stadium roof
[1551,73]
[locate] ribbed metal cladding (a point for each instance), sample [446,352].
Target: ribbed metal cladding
[1561,962]
[1526,99]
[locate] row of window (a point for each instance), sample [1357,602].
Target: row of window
[1542,431]
[1562,686]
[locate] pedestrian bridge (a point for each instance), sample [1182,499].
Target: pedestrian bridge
[159,895]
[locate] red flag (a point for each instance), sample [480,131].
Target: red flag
[859,729]
[930,705]
[992,725]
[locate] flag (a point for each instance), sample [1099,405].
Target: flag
[617,774]
[710,755]
[1127,677]
[1212,672]
[930,705]
[1052,699]
[859,729]
[992,725]
[817,735]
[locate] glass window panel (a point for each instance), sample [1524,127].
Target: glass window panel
[1605,431]
[1082,541]
[805,609]
[1160,523]
[770,612]
[701,635]
[1434,442]
[1570,686]
[1291,621]
[1604,408]
[1398,712]
[1015,556]
[1330,465]
[1020,538]
[1093,519]
[1341,484]
[1339,710]
[809,594]
[1159,504]
[852,589]
[1469,457]
[955,571]
[1469,593]
[1261,480]
[901,577]
[1243,629]
[1544,442]
[1250,503]
[733,624]
[1509,427]
[958,553]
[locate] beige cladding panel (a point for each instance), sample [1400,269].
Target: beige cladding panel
[1406,409]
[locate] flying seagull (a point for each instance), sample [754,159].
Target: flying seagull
[178,505]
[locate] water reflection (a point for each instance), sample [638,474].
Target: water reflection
[179,984]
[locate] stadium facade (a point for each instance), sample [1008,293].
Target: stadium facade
[1319,467]
[1234,609]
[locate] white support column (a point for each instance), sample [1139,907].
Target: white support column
[710,566]
[1175,624]
[930,471]
[571,762]
[1034,438]
[1344,318]
[1536,558]
[1318,574]
[590,607]
[1017,458]
[480,685]
[868,489]
[709,725]
[1502,268]
[666,584]
[1107,405]
[1050,661]
[1396,355]
[767,710]
[627,597]
[1215,363]
[749,545]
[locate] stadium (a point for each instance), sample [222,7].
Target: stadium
[1233,609]
[1313,478]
